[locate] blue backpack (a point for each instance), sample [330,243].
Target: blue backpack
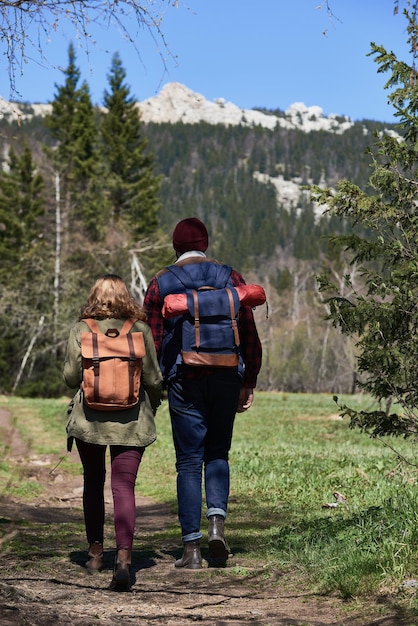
[210,335]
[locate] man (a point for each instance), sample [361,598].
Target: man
[202,401]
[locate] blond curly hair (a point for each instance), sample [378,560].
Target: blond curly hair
[110,298]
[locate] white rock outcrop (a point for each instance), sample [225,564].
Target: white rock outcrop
[176,103]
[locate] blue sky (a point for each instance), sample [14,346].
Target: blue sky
[254,53]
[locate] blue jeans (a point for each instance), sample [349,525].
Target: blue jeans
[202,414]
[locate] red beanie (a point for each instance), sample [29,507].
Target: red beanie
[190,234]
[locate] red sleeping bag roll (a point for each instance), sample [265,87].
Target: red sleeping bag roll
[249,295]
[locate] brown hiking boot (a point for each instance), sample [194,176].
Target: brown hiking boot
[95,562]
[192,558]
[121,580]
[219,551]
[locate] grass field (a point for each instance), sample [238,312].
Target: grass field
[290,454]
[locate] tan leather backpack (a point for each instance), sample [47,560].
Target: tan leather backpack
[112,365]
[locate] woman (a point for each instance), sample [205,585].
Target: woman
[127,431]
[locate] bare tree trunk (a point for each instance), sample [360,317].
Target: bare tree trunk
[57,274]
[28,351]
[138,281]
[322,367]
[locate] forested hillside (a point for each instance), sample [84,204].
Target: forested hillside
[213,171]
[62,223]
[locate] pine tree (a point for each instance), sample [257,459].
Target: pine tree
[90,206]
[73,125]
[21,205]
[130,181]
[24,256]
[381,309]
[61,120]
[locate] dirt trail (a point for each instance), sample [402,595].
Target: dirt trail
[50,586]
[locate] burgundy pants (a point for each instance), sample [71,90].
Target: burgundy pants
[125,462]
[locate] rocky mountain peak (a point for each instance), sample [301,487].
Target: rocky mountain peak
[176,103]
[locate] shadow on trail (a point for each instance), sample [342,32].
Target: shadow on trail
[141,560]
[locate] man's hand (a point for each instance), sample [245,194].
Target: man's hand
[246,397]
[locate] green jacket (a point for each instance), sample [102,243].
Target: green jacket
[128,427]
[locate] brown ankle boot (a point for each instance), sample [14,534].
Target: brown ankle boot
[121,580]
[191,559]
[219,551]
[95,562]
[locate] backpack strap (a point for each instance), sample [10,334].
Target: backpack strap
[95,330]
[126,328]
[224,274]
[92,324]
[128,325]
[233,318]
[181,275]
[196,317]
